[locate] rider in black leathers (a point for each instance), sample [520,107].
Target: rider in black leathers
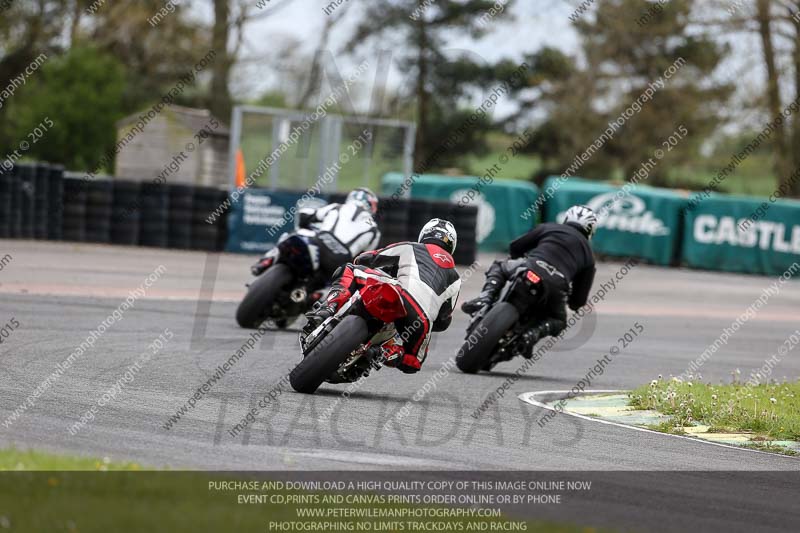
[560,254]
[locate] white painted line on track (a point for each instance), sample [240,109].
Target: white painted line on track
[530,397]
[372,459]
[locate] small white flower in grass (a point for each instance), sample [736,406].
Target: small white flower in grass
[713,396]
[653,383]
[773,400]
[659,376]
[688,383]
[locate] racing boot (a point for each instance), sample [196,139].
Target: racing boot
[392,353]
[395,356]
[487,296]
[324,310]
[544,329]
[318,316]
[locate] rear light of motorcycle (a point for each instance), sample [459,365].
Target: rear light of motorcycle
[383,301]
[533,277]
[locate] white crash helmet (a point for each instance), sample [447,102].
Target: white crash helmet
[365,198]
[442,231]
[582,216]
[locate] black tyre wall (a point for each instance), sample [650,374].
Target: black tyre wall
[74,211]
[154,226]
[15,214]
[27,196]
[6,187]
[126,212]
[465,219]
[181,200]
[392,220]
[99,197]
[41,200]
[55,193]
[209,224]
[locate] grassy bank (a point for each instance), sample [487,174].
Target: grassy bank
[769,411]
[18,460]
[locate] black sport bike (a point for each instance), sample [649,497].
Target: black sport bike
[288,288]
[496,333]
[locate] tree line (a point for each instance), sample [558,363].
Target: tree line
[108,59]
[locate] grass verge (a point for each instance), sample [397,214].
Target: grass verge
[770,412]
[18,460]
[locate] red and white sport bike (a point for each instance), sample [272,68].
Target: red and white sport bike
[351,343]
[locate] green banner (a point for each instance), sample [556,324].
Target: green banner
[740,234]
[502,204]
[635,221]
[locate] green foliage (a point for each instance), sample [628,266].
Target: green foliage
[622,57]
[448,125]
[272,99]
[751,177]
[155,57]
[81,92]
[32,460]
[771,410]
[520,167]
[439,81]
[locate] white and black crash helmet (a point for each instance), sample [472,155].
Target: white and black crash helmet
[440,232]
[364,198]
[583,217]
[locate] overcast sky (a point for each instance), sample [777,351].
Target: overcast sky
[303,20]
[535,23]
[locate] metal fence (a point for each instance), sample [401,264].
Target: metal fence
[259,131]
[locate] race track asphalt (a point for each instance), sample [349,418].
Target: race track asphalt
[59,292]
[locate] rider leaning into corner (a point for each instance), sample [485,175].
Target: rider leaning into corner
[429,287]
[342,232]
[560,254]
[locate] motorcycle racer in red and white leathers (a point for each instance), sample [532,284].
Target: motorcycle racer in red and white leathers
[430,285]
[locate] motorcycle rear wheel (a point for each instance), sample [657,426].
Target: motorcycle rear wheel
[329,354]
[480,345]
[257,303]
